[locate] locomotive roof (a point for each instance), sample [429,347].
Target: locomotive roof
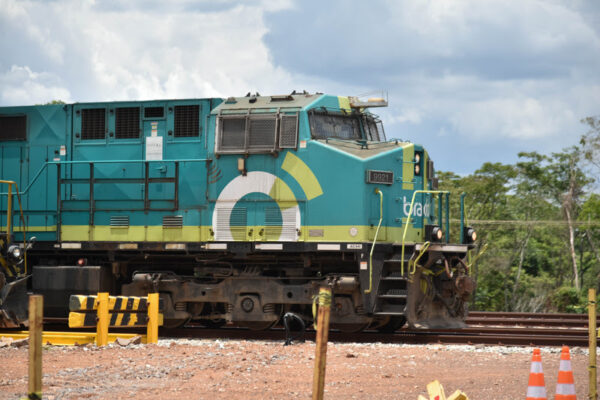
[269,103]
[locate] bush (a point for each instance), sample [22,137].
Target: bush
[567,299]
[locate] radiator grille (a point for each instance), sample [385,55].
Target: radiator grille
[233,133]
[288,133]
[154,112]
[172,221]
[119,221]
[13,128]
[93,123]
[187,121]
[127,124]
[262,133]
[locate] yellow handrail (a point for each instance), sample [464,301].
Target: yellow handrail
[412,203]
[412,267]
[9,219]
[377,191]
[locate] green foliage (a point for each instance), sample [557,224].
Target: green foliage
[541,222]
[568,299]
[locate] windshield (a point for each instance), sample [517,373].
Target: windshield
[349,127]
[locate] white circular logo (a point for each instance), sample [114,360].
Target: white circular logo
[353,231]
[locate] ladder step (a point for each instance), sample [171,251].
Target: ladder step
[392,296]
[393,278]
[391,313]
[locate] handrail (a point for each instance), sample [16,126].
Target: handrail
[412,268]
[377,191]
[39,172]
[9,218]
[412,203]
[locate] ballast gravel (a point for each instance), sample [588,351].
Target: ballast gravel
[240,369]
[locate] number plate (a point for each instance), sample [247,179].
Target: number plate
[383,177]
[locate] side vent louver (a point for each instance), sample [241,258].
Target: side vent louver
[288,133]
[119,221]
[173,221]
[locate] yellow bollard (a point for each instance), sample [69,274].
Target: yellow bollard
[321,342]
[36,318]
[102,327]
[152,330]
[593,390]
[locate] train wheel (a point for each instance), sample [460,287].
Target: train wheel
[350,328]
[264,325]
[259,326]
[392,325]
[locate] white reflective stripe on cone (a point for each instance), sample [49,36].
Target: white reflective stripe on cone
[536,367]
[565,388]
[537,392]
[565,365]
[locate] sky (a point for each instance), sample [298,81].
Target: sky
[473,81]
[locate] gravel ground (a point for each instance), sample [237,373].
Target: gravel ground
[238,369]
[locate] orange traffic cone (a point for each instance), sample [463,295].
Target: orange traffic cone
[536,390]
[565,387]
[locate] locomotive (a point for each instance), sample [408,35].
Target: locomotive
[235,210]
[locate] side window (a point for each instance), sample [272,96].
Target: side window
[339,126]
[261,133]
[93,123]
[127,123]
[13,127]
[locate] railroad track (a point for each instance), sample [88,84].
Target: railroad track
[497,328]
[492,328]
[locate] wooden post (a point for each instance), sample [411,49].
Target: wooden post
[152,330]
[321,342]
[36,318]
[593,393]
[102,327]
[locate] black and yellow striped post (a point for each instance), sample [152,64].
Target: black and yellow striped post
[322,327]
[36,318]
[103,319]
[103,312]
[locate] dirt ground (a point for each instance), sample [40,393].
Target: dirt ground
[234,369]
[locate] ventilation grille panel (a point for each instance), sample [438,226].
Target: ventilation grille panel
[262,133]
[13,128]
[231,223]
[119,221]
[154,112]
[127,124]
[233,133]
[187,121]
[173,221]
[93,123]
[288,134]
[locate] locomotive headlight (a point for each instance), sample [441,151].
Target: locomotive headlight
[417,169]
[15,253]
[469,234]
[433,233]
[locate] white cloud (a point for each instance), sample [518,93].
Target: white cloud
[178,50]
[21,86]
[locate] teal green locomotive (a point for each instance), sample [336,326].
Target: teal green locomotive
[235,210]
